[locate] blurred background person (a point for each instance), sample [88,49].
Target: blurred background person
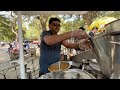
[93,31]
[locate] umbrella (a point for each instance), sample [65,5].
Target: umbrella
[100,23]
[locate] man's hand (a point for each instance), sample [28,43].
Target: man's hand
[79,34]
[84,44]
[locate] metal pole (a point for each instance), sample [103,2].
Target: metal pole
[21,55]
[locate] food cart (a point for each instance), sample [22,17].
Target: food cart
[20,33]
[101,62]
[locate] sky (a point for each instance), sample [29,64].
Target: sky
[8,13]
[4,13]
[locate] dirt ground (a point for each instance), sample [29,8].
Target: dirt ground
[8,71]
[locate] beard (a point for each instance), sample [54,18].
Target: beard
[56,31]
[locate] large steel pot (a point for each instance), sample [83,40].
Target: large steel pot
[115,54]
[107,49]
[103,53]
[46,76]
[57,68]
[70,74]
[75,74]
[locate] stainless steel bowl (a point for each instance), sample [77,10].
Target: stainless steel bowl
[56,72]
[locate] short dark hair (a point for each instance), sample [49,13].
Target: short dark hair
[82,28]
[53,19]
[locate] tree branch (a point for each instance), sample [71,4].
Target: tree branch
[4,23]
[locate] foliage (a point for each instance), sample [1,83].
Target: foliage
[71,22]
[115,14]
[34,25]
[9,26]
[33,31]
[5,32]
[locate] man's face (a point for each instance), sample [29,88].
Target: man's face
[55,27]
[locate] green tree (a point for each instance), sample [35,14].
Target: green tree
[37,24]
[33,31]
[5,32]
[9,23]
[71,22]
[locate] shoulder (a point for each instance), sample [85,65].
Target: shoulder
[45,33]
[48,32]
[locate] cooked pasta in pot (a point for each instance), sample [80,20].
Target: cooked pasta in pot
[55,67]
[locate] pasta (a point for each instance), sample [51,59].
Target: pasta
[55,67]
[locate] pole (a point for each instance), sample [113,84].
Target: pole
[21,55]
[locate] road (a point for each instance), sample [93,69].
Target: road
[4,56]
[10,73]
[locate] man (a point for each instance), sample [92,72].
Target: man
[51,44]
[79,50]
[10,48]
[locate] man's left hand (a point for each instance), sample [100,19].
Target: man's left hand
[84,44]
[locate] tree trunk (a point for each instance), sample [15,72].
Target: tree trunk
[90,16]
[43,26]
[43,21]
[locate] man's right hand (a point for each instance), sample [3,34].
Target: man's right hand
[79,34]
[84,44]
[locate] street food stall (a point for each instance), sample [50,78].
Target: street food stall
[106,50]
[101,62]
[20,33]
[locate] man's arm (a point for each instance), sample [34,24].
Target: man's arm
[53,39]
[83,44]
[70,45]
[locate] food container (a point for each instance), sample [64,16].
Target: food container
[102,50]
[107,49]
[46,76]
[57,68]
[70,74]
[75,74]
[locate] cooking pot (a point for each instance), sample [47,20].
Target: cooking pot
[103,53]
[70,74]
[75,74]
[107,48]
[57,68]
